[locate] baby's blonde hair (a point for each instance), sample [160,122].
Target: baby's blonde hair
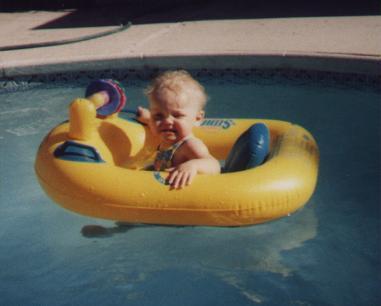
[181,83]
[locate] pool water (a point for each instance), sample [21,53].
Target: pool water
[328,253]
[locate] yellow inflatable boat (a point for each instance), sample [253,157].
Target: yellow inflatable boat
[91,163]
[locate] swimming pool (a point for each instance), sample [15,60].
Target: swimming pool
[328,253]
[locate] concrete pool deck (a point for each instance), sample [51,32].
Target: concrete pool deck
[340,44]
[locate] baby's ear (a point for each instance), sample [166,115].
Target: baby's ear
[200,115]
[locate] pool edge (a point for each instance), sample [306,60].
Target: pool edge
[329,62]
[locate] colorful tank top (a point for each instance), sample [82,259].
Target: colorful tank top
[163,159]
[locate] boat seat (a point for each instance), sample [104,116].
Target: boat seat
[250,149]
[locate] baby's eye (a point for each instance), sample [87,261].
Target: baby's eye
[179,115]
[157,116]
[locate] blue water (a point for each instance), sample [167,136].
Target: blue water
[328,253]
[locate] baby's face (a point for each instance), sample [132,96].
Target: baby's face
[173,118]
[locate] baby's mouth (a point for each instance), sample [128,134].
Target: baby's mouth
[165,131]
[168,134]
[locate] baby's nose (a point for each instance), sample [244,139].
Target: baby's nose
[168,120]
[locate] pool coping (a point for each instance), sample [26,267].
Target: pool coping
[293,61]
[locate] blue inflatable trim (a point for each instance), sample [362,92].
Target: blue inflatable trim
[250,150]
[78,152]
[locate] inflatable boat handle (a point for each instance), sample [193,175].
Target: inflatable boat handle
[82,115]
[103,98]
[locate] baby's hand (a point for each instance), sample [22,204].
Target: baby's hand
[181,175]
[143,115]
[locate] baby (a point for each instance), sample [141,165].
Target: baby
[176,105]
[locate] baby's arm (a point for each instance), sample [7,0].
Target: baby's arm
[143,115]
[198,161]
